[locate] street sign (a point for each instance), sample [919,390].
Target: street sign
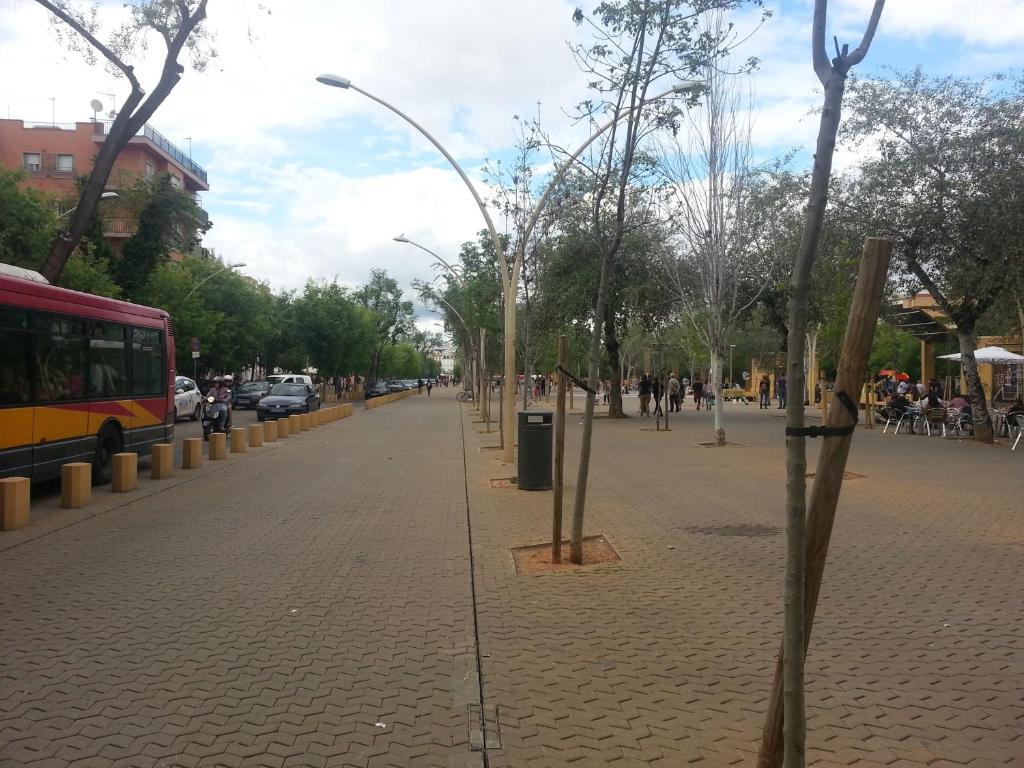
[195,347]
[195,355]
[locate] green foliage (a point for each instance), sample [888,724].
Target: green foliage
[391,315]
[336,331]
[27,223]
[168,219]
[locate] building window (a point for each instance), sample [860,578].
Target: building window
[66,163]
[31,161]
[150,169]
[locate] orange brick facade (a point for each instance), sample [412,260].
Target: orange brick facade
[51,156]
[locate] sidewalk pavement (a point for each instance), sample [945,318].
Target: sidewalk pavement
[312,603]
[666,658]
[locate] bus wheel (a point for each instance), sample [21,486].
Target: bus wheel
[108,443]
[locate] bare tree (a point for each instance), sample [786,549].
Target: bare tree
[714,270]
[832,75]
[178,25]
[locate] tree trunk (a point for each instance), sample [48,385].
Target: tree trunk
[576,546]
[716,387]
[508,391]
[975,391]
[611,344]
[830,469]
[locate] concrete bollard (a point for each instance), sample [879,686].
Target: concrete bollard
[238,440]
[218,450]
[305,420]
[270,431]
[191,452]
[14,495]
[126,472]
[293,423]
[75,484]
[284,427]
[162,463]
[256,433]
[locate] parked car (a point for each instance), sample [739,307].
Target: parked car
[397,385]
[188,400]
[290,378]
[287,399]
[376,389]
[248,395]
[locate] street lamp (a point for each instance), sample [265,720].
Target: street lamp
[481,349]
[509,275]
[104,196]
[731,382]
[212,275]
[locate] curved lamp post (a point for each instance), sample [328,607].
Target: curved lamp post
[481,350]
[104,196]
[509,274]
[225,268]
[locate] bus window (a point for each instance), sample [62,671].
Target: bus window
[147,362]
[14,377]
[108,360]
[59,368]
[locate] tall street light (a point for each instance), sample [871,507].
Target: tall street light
[225,268]
[481,349]
[509,274]
[72,209]
[731,382]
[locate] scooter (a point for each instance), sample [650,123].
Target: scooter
[215,417]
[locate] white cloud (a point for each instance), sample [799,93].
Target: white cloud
[989,24]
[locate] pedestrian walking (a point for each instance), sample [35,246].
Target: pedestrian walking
[698,393]
[430,386]
[644,390]
[419,386]
[657,389]
[764,390]
[780,390]
[673,392]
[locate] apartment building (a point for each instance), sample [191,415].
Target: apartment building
[52,155]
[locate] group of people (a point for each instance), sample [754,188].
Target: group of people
[764,391]
[675,389]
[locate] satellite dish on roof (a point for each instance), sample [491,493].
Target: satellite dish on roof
[97,106]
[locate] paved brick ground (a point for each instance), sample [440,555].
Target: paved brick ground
[271,610]
[666,658]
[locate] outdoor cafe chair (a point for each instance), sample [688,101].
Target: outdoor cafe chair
[934,418]
[1020,430]
[900,417]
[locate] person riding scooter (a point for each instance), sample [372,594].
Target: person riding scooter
[222,391]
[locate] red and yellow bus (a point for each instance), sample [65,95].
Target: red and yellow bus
[82,377]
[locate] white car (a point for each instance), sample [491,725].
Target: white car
[187,398]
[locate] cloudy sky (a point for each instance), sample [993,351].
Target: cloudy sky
[309,181]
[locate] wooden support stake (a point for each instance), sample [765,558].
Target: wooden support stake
[828,477]
[556,527]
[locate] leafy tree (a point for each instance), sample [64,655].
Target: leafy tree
[392,315]
[27,222]
[337,332]
[168,221]
[178,24]
[945,182]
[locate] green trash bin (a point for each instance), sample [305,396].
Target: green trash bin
[536,434]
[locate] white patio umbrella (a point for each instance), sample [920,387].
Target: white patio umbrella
[990,355]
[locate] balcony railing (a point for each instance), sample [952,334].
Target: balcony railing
[116,227]
[165,144]
[179,157]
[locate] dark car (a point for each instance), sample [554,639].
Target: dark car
[376,390]
[249,394]
[286,400]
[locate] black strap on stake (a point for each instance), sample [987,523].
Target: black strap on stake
[829,431]
[575,381]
